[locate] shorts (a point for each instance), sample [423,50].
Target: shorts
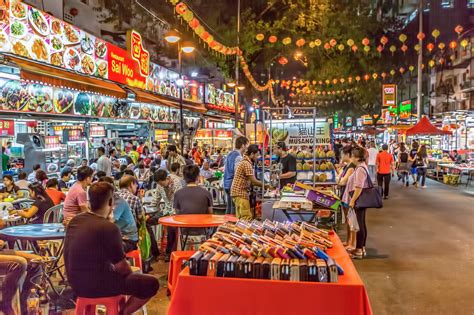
[413,170]
[137,285]
[242,208]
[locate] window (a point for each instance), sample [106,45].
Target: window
[470,4]
[447,4]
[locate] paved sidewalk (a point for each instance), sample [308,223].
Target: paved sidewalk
[421,251]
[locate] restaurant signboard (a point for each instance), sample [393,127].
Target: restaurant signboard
[389,95]
[7,128]
[38,36]
[301,133]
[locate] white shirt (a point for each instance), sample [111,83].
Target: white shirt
[372,155]
[32,177]
[104,164]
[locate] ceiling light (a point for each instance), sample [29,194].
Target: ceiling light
[172,37]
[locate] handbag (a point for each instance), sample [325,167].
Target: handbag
[144,240]
[370,197]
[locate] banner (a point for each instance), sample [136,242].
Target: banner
[7,128]
[301,133]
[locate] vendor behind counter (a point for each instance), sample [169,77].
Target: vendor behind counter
[288,163]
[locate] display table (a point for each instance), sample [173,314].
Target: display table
[211,295]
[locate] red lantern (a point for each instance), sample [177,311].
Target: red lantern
[383,40]
[453,45]
[404,48]
[32,124]
[380,48]
[366,77]
[458,29]
[354,48]
[272,39]
[327,46]
[283,60]
[332,42]
[300,42]
[194,23]
[181,8]
[420,36]
[430,47]
[402,70]
[365,41]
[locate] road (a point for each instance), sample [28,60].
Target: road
[421,252]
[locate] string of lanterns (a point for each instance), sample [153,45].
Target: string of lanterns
[351,45]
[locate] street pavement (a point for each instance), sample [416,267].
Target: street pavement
[421,251]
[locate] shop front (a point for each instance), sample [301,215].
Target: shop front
[75,92]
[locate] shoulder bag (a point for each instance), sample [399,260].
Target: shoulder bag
[370,197]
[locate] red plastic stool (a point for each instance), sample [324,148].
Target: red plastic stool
[86,306]
[176,263]
[136,256]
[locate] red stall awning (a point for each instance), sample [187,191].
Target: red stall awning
[425,128]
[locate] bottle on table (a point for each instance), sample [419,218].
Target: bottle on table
[43,302]
[33,303]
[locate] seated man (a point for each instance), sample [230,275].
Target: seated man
[206,171]
[76,199]
[94,258]
[22,183]
[192,199]
[65,178]
[123,218]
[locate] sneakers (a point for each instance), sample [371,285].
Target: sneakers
[423,186]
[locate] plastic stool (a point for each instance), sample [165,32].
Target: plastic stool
[86,306]
[176,262]
[136,256]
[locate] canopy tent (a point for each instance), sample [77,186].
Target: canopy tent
[425,128]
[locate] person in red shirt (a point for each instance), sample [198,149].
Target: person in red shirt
[56,195]
[385,167]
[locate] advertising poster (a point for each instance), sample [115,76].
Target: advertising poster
[302,133]
[389,95]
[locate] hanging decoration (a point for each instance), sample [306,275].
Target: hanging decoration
[260,37]
[464,43]
[441,45]
[402,38]
[420,36]
[286,41]
[435,34]
[430,47]
[384,40]
[300,42]
[272,39]
[283,60]
[458,29]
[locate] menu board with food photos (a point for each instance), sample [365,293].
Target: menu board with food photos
[218,99]
[36,35]
[20,96]
[33,34]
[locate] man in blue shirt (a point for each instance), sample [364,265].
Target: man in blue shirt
[124,220]
[230,165]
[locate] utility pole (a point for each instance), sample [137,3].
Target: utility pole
[419,101]
[236,88]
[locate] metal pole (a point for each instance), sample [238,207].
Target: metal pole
[314,146]
[420,62]
[236,92]
[181,115]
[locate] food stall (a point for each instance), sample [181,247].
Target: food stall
[58,75]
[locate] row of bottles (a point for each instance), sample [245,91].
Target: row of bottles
[37,304]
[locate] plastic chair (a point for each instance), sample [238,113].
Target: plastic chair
[26,193]
[176,262]
[136,256]
[53,214]
[87,306]
[6,206]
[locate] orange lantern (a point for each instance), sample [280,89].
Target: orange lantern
[342,80]
[420,36]
[181,8]
[383,40]
[332,42]
[458,29]
[453,45]
[380,48]
[365,41]
[366,77]
[283,60]
[354,48]
[375,76]
[357,78]
[327,46]
[300,42]
[441,45]
[383,74]
[402,70]
[194,23]
[334,81]
[260,37]
[272,39]
[404,48]
[430,47]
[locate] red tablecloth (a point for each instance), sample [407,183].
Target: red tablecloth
[196,220]
[209,295]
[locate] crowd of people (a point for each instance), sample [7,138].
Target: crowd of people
[360,165]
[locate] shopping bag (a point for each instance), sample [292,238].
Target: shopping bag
[352,220]
[144,241]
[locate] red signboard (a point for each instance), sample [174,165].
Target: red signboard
[223,133]
[138,52]
[122,69]
[203,134]
[7,128]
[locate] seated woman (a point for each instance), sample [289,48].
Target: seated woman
[52,189]
[42,202]
[9,188]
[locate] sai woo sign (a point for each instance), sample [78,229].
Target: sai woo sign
[389,95]
[129,67]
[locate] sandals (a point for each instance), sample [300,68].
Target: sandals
[357,255]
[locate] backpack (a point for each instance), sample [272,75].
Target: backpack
[403,157]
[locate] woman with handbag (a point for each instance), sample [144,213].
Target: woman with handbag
[346,171]
[360,194]
[421,162]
